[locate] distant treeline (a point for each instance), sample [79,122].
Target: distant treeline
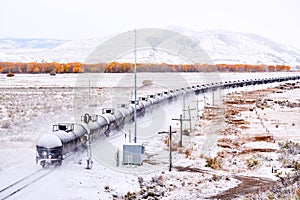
[115,67]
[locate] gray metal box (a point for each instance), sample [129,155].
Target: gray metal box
[132,154]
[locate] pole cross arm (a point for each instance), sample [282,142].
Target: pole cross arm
[190,109]
[166,132]
[182,119]
[162,132]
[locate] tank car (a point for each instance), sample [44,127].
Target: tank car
[97,125]
[145,101]
[93,124]
[126,112]
[104,125]
[167,96]
[66,137]
[49,150]
[173,94]
[159,97]
[71,135]
[107,113]
[119,117]
[153,99]
[140,109]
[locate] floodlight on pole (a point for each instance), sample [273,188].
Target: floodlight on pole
[135,86]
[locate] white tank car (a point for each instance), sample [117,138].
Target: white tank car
[145,101]
[112,123]
[126,113]
[104,125]
[71,135]
[48,150]
[119,118]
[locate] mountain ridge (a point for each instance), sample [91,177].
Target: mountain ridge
[222,47]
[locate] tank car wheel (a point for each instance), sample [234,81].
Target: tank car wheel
[43,164]
[106,133]
[58,163]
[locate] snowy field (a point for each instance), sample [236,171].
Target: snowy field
[31,104]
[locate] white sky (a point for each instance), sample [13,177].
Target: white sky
[79,19]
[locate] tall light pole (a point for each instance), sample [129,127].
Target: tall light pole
[135,86]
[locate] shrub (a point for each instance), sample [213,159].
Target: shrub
[10,74]
[296,165]
[298,194]
[212,163]
[252,162]
[187,153]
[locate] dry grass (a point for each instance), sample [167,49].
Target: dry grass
[252,162]
[262,138]
[237,121]
[147,82]
[298,194]
[213,163]
[180,150]
[244,127]
[225,145]
[187,153]
[256,150]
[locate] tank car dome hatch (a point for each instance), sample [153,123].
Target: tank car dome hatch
[49,141]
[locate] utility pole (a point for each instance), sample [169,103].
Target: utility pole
[183,102]
[181,120]
[170,145]
[89,89]
[213,98]
[190,118]
[204,100]
[198,107]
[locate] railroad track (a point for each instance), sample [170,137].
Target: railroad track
[24,182]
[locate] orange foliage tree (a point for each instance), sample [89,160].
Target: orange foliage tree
[116,67]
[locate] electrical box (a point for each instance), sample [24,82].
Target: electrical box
[133,154]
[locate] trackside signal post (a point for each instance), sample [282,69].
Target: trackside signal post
[86,119]
[170,145]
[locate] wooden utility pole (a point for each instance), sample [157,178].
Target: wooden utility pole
[213,98]
[197,101]
[190,118]
[181,120]
[170,145]
[183,104]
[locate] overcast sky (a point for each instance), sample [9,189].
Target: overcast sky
[80,19]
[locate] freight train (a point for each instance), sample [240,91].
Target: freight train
[68,137]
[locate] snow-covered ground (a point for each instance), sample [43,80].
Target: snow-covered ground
[31,104]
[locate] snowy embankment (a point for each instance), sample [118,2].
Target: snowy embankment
[31,104]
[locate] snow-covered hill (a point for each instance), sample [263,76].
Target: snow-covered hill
[221,46]
[232,47]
